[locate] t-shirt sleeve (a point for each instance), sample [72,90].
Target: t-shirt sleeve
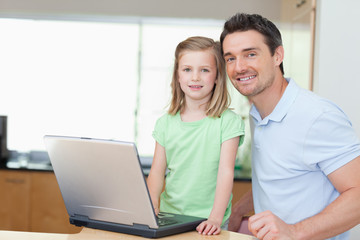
[232,126]
[159,130]
[331,142]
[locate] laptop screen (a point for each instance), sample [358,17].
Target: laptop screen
[101,179]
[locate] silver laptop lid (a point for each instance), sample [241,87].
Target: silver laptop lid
[101,179]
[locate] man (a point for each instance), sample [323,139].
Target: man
[305,153]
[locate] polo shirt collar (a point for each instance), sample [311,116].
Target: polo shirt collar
[281,108]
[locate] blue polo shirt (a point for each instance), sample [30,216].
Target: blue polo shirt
[304,139]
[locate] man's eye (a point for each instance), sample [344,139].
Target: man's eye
[252,54]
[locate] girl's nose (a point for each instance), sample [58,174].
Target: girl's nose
[196,76]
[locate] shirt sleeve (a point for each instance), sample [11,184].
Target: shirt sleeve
[159,130]
[232,126]
[331,142]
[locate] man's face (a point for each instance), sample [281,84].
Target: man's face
[249,63]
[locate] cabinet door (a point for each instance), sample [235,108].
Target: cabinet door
[48,212]
[14,200]
[239,189]
[298,26]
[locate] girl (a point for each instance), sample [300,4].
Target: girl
[197,140]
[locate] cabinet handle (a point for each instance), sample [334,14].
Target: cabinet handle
[300,3]
[14,180]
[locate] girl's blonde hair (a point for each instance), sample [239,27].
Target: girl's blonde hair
[220,99]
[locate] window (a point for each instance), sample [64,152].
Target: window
[93,79]
[67,78]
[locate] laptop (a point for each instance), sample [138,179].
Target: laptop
[103,187]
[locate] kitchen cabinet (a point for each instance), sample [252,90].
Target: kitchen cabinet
[239,189]
[14,200]
[31,201]
[297,28]
[48,212]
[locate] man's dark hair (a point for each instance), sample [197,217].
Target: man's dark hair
[242,22]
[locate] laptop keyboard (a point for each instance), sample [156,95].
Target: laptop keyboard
[164,219]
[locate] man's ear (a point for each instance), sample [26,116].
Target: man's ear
[279,55]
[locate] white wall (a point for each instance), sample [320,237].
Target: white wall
[337,52]
[337,64]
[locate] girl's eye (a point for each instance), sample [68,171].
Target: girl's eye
[229,59]
[187,69]
[205,70]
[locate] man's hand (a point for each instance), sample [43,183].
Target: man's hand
[266,225]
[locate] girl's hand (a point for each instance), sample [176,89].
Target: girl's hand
[157,210]
[209,227]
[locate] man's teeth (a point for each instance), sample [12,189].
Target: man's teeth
[247,78]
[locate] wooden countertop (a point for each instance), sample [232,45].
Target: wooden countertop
[94,234]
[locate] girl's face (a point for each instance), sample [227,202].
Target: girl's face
[197,75]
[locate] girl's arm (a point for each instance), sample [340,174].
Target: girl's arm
[156,176]
[224,187]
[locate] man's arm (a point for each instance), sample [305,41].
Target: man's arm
[338,217]
[239,210]
[342,214]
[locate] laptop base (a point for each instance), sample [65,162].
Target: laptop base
[136,229]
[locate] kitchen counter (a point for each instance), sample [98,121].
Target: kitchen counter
[39,161]
[33,200]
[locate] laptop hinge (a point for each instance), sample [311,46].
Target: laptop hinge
[141,226]
[79,220]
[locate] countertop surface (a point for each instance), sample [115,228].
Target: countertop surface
[92,234]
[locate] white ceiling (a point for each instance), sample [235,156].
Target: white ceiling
[210,9]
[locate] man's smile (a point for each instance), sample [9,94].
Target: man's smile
[245,78]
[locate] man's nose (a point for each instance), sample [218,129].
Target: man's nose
[240,66]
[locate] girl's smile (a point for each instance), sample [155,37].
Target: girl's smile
[195,87]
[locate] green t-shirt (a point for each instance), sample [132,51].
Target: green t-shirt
[193,155]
